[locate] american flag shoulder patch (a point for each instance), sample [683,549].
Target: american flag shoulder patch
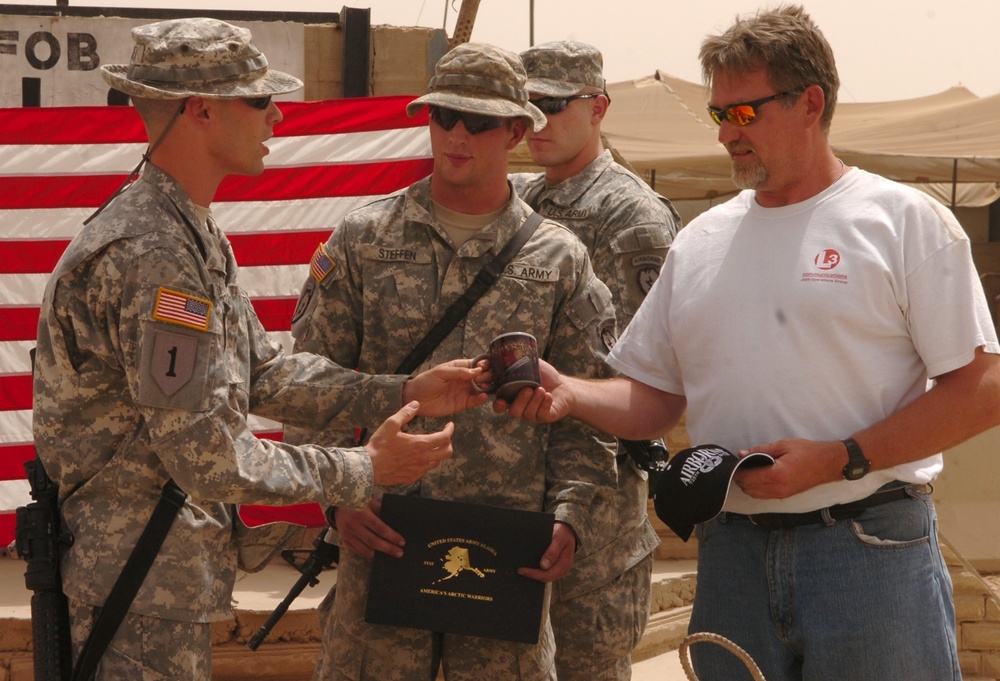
[321,264]
[175,307]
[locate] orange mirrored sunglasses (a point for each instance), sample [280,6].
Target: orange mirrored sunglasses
[742,113]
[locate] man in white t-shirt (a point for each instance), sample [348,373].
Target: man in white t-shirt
[834,320]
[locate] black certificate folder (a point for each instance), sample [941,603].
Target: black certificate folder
[458,573]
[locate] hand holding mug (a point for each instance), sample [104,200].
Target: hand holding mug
[514,362]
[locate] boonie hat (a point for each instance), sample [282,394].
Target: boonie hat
[562,68]
[694,486]
[201,57]
[481,79]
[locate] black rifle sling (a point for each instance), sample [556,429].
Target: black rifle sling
[457,310]
[127,585]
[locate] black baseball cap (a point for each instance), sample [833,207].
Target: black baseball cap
[695,484]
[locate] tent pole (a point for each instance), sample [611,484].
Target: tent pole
[954,183]
[464,23]
[531,23]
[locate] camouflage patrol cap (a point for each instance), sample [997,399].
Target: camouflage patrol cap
[481,79]
[202,57]
[562,68]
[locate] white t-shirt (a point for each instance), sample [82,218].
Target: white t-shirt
[813,320]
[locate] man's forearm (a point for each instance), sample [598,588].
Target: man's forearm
[624,407]
[962,403]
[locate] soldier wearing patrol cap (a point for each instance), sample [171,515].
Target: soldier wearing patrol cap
[398,263]
[150,357]
[627,228]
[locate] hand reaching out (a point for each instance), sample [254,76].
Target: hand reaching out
[399,458]
[547,404]
[445,389]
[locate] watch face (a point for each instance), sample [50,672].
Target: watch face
[856,471]
[857,466]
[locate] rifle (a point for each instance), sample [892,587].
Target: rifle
[39,541]
[323,556]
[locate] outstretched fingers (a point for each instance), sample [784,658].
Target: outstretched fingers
[446,388]
[400,458]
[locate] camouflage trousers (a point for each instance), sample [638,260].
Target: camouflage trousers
[596,631]
[146,648]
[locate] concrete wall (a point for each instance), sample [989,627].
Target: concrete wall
[402,60]
[968,500]
[977,615]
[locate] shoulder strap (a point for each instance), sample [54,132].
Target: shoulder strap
[127,586]
[457,310]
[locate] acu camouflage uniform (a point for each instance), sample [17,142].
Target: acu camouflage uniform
[626,226]
[149,359]
[390,271]
[599,610]
[111,423]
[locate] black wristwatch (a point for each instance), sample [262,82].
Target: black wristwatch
[858,466]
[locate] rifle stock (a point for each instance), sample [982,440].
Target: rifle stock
[39,542]
[324,555]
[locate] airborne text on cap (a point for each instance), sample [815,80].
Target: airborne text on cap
[700,461]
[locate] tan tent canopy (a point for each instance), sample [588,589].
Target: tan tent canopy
[660,125]
[948,143]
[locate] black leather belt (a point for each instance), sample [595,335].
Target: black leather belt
[777,521]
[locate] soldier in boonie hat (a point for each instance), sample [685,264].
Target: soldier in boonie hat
[195,57]
[144,307]
[480,79]
[201,57]
[562,67]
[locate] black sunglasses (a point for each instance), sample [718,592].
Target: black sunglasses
[553,105]
[742,113]
[258,102]
[474,123]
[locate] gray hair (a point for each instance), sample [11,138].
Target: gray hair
[787,43]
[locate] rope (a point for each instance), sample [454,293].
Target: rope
[685,653]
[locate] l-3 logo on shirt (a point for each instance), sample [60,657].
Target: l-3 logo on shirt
[826,261]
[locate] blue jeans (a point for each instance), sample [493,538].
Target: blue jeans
[868,599]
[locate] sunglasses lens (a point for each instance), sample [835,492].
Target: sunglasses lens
[738,115]
[259,102]
[446,118]
[741,115]
[551,105]
[474,123]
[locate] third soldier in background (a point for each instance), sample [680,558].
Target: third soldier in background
[599,610]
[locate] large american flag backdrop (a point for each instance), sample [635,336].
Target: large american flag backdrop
[58,164]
